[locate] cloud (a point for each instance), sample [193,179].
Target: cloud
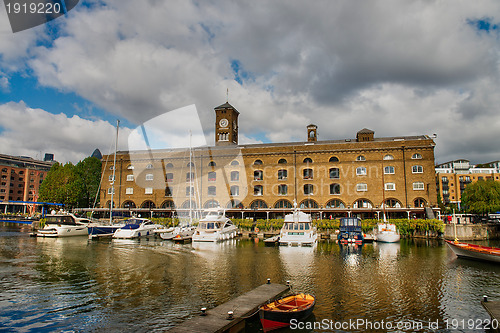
[397,67]
[34,132]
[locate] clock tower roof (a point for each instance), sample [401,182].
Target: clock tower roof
[226,106]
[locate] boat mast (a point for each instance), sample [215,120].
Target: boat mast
[114,173]
[191,187]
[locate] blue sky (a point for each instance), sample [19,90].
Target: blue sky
[398,68]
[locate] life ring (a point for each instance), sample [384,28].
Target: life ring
[256,230]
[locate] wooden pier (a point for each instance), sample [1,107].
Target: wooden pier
[493,309]
[244,306]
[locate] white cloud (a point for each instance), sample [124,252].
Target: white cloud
[33,132]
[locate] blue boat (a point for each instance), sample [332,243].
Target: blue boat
[103,230]
[350,231]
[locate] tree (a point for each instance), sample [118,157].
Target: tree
[482,197]
[74,186]
[89,173]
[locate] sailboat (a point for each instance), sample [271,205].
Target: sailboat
[386,232]
[96,230]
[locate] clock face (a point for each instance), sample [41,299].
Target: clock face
[223,122]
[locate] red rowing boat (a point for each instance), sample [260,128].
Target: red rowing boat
[473,251]
[281,312]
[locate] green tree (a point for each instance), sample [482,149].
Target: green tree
[62,185]
[482,197]
[89,173]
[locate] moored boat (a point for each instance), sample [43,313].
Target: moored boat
[63,225]
[473,251]
[282,312]
[135,228]
[350,231]
[387,233]
[214,227]
[298,230]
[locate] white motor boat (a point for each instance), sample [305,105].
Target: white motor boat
[214,227]
[63,225]
[136,228]
[387,233]
[298,230]
[166,233]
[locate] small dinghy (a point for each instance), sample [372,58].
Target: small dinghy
[279,313]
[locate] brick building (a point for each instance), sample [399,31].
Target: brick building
[363,176]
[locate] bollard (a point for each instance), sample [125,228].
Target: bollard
[203,312]
[485,298]
[229,315]
[268,281]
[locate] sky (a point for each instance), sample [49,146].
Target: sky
[396,67]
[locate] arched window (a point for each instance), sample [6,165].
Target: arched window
[388,157]
[307,173]
[362,203]
[258,204]
[148,204]
[149,166]
[257,162]
[283,204]
[419,203]
[187,205]
[392,203]
[360,158]
[282,161]
[190,164]
[308,189]
[212,164]
[169,166]
[335,203]
[309,203]
[235,162]
[307,160]
[234,204]
[334,188]
[333,159]
[211,204]
[128,204]
[416,156]
[168,204]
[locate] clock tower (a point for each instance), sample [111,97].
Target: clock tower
[226,125]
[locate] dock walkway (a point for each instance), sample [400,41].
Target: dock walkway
[242,307]
[493,309]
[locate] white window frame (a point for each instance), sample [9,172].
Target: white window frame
[360,158]
[390,186]
[361,187]
[111,190]
[129,190]
[130,178]
[361,171]
[388,157]
[416,156]
[418,186]
[417,169]
[149,176]
[148,190]
[389,172]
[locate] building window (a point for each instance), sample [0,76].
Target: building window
[148,190]
[388,157]
[235,190]
[282,174]
[190,165]
[111,168]
[212,164]
[361,171]
[308,189]
[111,190]
[390,187]
[111,178]
[235,162]
[258,190]
[417,169]
[235,176]
[360,158]
[283,204]
[149,176]
[257,162]
[189,176]
[258,175]
[130,167]
[258,204]
[282,161]
[212,176]
[282,189]
[361,187]
[129,190]
[362,203]
[416,156]
[389,170]
[307,173]
[130,178]
[334,173]
[169,166]
[444,179]
[149,166]
[309,203]
[189,191]
[419,203]
[211,204]
[212,190]
[334,188]
[333,159]
[169,177]
[419,186]
[335,203]
[392,203]
[307,160]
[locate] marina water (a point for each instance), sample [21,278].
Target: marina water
[73,284]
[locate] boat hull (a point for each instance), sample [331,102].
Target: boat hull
[280,313]
[214,236]
[102,230]
[475,252]
[62,231]
[388,237]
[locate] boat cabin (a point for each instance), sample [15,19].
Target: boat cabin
[296,228]
[64,220]
[350,230]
